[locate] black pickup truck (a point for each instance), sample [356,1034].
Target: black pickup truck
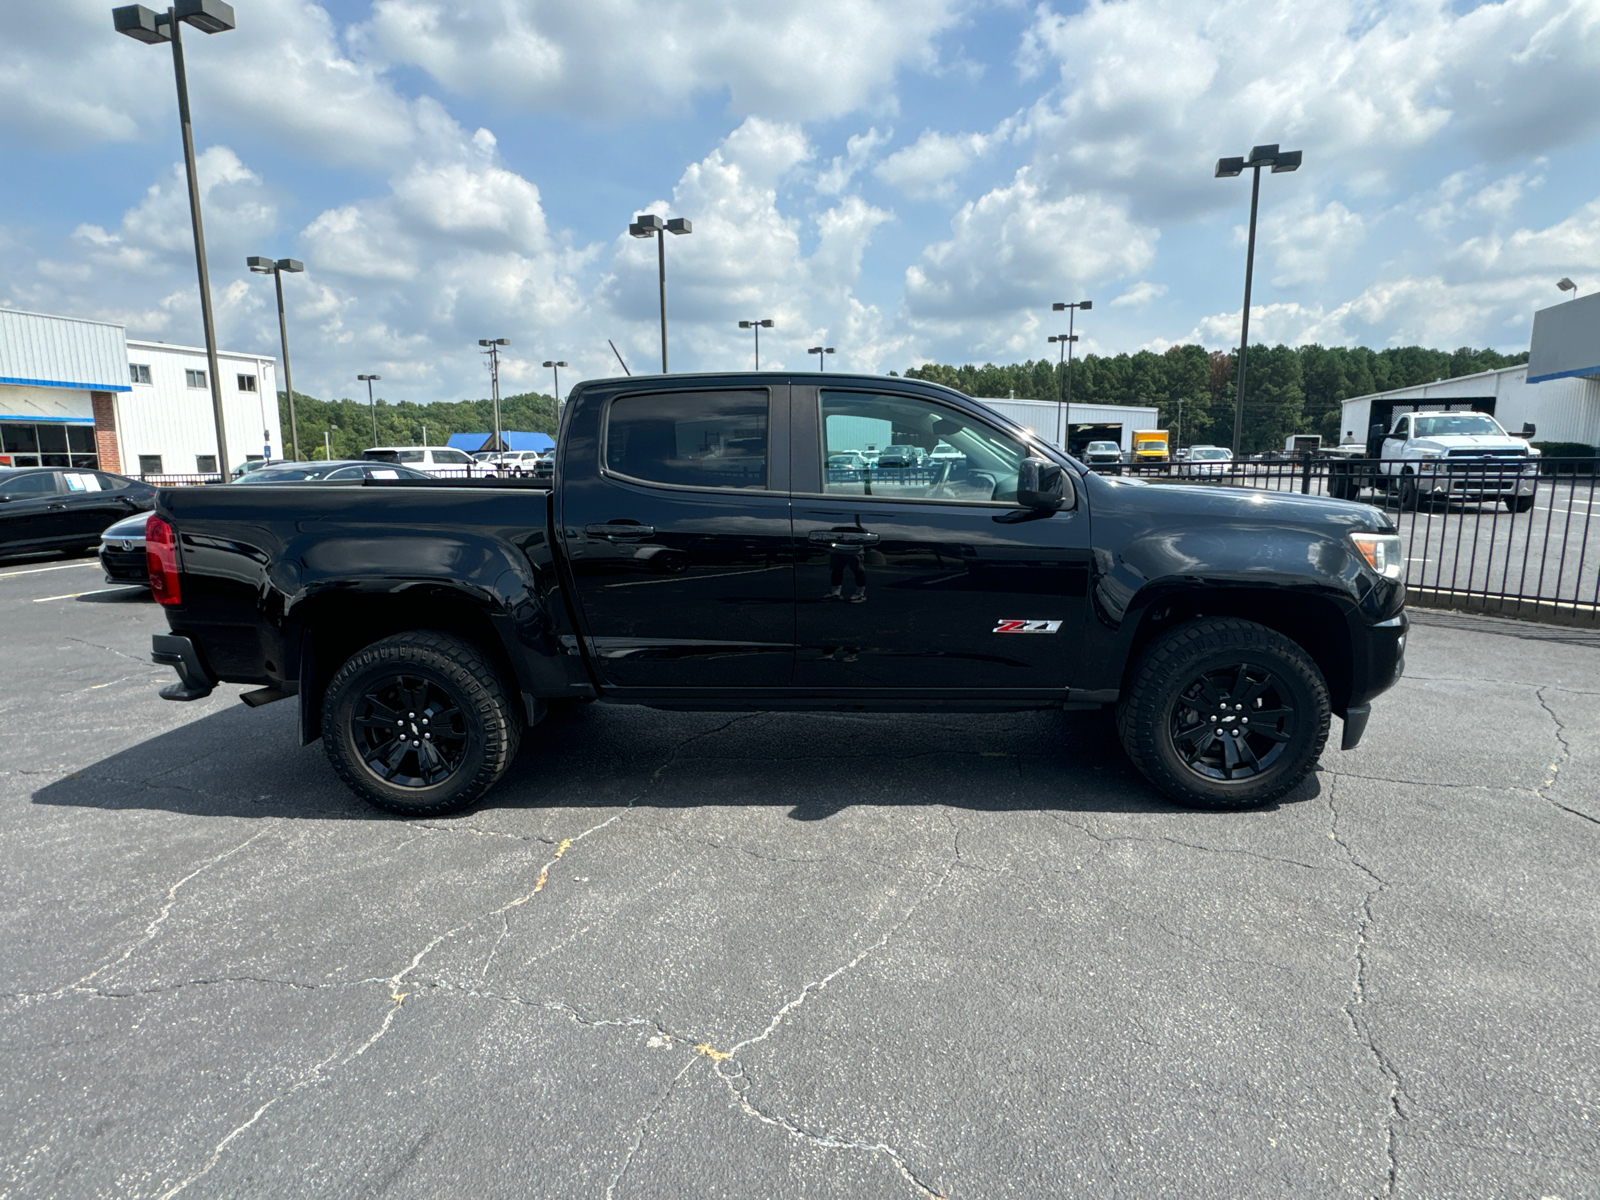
[727,542]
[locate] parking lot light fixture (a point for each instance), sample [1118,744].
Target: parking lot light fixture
[371,403]
[1280,161]
[145,25]
[1566,285]
[555,368]
[649,225]
[758,326]
[1064,405]
[276,268]
[493,351]
[820,351]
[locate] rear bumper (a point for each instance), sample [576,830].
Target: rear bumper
[194,681]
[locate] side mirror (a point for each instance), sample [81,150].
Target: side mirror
[1041,484]
[1528,430]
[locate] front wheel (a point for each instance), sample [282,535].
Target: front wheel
[1224,714]
[419,724]
[1518,504]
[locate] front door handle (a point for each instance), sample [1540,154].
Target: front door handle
[829,537]
[620,532]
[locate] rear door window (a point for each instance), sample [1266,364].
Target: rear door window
[42,483]
[690,439]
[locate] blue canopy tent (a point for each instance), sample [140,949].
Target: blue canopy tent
[474,443]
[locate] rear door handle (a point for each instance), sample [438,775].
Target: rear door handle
[55,507]
[620,532]
[827,537]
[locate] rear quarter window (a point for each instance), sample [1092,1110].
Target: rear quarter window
[689,439]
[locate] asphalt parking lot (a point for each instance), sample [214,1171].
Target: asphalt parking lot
[793,955]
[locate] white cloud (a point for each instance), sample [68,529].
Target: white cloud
[927,167]
[1305,242]
[859,150]
[1140,295]
[1151,92]
[1016,246]
[616,57]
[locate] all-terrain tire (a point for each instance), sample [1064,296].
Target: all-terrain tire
[1187,695]
[455,729]
[1518,504]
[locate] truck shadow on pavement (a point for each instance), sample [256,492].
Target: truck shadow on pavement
[239,762]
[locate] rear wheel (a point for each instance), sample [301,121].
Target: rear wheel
[1224,714]
[419,724]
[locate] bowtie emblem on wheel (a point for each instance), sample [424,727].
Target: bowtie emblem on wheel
[1027,627]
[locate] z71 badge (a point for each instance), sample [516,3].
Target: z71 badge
[1027,627]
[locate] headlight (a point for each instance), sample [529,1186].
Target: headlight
[1381,552]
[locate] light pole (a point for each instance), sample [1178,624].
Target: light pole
[327,442]
[371,403]
[266,266]
[555,367]
[819,351]
[1179,446]
[1566,285]
[758,326]
[1280,161]
[144,25]
[493,352]
[1071,309]
[649,225]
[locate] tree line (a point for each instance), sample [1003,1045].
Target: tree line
[1288,389]
[348,423]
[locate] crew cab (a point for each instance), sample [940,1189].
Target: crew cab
[696,552]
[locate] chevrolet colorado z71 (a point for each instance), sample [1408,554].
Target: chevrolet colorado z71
[697,549]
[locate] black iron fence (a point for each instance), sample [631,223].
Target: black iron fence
[1486,533]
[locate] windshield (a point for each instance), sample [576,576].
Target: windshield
[1449,423]
[283,474]
[1209,452]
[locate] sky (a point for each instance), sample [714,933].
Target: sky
[903,180]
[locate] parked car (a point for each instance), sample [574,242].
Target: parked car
[60,508]
[423,627]
[435,460]
[122,550]
[350,470]
[1443,456]
[847,460]
[1102,454]
[900,457]
[1205,461]
[254,464]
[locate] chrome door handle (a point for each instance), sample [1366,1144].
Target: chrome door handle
[618,532]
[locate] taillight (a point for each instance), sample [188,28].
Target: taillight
[161,559]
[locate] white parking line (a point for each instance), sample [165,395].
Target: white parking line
[96,592]
[39,570]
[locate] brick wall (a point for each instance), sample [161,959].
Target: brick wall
[105,431]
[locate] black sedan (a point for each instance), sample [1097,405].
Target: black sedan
[61,508]
[338,471]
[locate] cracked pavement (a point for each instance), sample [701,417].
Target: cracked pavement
[695,955]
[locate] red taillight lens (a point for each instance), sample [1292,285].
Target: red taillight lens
[161,559]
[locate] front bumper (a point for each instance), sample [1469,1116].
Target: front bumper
[1380,661]
[124,566]
[1474,478]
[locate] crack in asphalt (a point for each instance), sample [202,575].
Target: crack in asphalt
[1112,839]
[1355,1009]
[1555,767]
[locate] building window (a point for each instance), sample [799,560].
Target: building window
[139,372]
[247,383]
[47,445]
[205,464]
[150,464]
[195,379]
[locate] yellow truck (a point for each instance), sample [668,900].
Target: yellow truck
[1150,447]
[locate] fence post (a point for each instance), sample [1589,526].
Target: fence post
[1305,472]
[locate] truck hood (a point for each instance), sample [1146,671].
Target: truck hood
[1470,441]
[1245,506]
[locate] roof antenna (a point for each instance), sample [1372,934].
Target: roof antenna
[618,353]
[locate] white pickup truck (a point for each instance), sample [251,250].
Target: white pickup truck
[1434,456]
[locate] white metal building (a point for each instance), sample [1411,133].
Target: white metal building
[1089,422]
[78,393]
[1557,392]
[165,424]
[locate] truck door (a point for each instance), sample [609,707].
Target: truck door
[674,511]
[934,580]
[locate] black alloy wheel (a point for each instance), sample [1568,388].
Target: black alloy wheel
[420,723]
[410,732]
[1224,713]
[1232,723]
